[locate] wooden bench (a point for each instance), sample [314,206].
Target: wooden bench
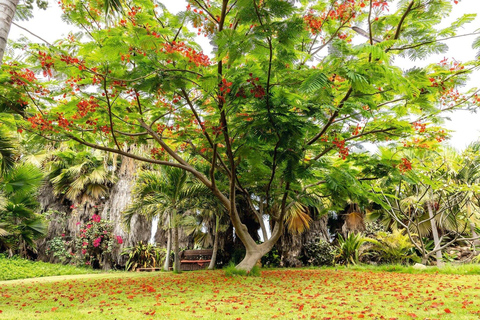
[148,269]
[195,259]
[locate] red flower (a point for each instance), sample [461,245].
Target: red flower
[96,218]
[119,240]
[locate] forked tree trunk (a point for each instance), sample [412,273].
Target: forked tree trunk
[253,250]
[166,265]
[7,11]
[213,261]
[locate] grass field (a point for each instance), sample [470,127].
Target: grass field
[277,293]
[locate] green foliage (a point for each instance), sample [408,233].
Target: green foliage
[143,256]
[18,219]
[58,247]
[18,268]
[392,248]
[231,271]
[271,259]
[318,252]
[349,248]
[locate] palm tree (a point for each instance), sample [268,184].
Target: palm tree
[168,193]
[7,153]
[19,224]
[7,11]
[79,176]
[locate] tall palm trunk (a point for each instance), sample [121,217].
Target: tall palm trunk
[166,265]
[213,261]
[436,239]
[7,11]
[176,249]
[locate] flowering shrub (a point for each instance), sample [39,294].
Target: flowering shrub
[96,241]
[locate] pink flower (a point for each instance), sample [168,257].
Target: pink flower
[63,234]
[96,218]
[78,223]
[84,251]
[87,263]
[97,241]
[119,240]
[85,244]
[89,226]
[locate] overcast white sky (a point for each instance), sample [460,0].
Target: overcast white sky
[48,25]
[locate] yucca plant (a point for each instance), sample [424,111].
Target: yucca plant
[143,255]
[349,248]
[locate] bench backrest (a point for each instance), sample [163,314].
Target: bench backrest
[197,254]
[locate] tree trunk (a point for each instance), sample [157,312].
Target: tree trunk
[213,261]
[436,240]
[166,265]
[7,11]
[176,249]
[252,257]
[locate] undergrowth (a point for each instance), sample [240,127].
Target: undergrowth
[231,271]
[18,268]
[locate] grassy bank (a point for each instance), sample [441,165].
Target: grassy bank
[17,268]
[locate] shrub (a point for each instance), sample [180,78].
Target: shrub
[318,252]
[96,241]
[143,256]
[394,247]
[349,248]
[58,247]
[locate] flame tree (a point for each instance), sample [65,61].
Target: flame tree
[273,114]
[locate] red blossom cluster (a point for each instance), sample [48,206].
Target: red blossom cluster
[217,130]
[405,165]
[193,56]
[341,11]
[357,130]
[133,11]
[342,149]
[224,87]
[157,153]
[241,93]
[86,106]
[21,78]
[62,121]
[47,63]
[420,127]
[39,121]
[257,90]
[68,59]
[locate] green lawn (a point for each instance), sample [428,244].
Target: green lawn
[16,268]
[277,293]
